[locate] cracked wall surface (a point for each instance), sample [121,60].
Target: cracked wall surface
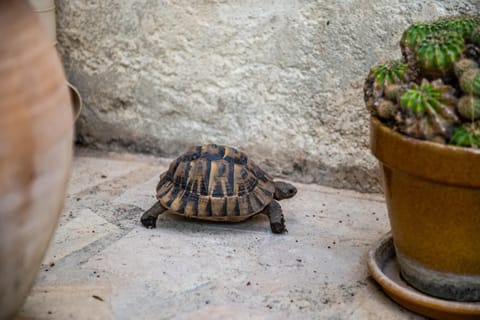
[280,79]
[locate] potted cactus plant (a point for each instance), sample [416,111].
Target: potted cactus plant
[425,132]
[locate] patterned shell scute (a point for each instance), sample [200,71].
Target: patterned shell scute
[212,181]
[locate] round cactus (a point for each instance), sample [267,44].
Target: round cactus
[381,77]
[463,65]
[411,37]
[428,110]
[386,109]
[470,81]
[392,72]
[475,36]
[467,135]
[469,107]
[414,34]
[393,92]
[464,26]
[428,98]
[437,52]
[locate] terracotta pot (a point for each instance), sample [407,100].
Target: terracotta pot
[433,198]
[36,134]
[45,10]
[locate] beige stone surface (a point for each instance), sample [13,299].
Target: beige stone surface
[68,301]
[280,79]
[76,234]
[197,270]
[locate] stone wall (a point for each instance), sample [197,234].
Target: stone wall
[280,79]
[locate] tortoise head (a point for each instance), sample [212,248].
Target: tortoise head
[284,190]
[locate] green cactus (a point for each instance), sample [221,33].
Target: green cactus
[428,98]
[428,110]
[470,81]
[469,107]
[381,77]
[436,54]
[392,72]
[414,34]
[467,135]
[462,25]
[417,32]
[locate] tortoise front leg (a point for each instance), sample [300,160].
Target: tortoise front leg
[149,218]
[274,213]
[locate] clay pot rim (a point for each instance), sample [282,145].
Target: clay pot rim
[429,160]
[76,100]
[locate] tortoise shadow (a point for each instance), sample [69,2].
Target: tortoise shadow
[255,224]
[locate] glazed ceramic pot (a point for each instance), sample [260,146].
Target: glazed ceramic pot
[36,134]
[433,198]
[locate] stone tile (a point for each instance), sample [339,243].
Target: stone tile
[88,172]
[76,234]
[68,301]
[142,195]
[228,311]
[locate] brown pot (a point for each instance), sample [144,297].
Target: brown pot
[433,198]
[45,10]
[36,134]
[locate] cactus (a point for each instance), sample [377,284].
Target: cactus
[463,65]
[470,81]
[437,52]
[392,92]
[389,73]
[413,35]
[469,107]
[464,26]
[386,109]
[475,36]
[428,97]
[467,135]
[380,78]
[428,110]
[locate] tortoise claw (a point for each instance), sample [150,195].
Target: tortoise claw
[149,218]
[278,228]
[149,222]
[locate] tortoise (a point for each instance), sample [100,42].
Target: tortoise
[218,183]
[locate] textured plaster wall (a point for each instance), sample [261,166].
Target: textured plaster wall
[281,79]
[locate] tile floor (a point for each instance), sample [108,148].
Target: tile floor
[102,264]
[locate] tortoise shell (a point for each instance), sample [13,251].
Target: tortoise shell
[215,183]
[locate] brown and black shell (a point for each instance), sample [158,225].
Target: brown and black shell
[213,182]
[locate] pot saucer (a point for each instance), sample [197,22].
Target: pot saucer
[383,266]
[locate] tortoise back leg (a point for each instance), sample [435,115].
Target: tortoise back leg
[275,214]
[149,218]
